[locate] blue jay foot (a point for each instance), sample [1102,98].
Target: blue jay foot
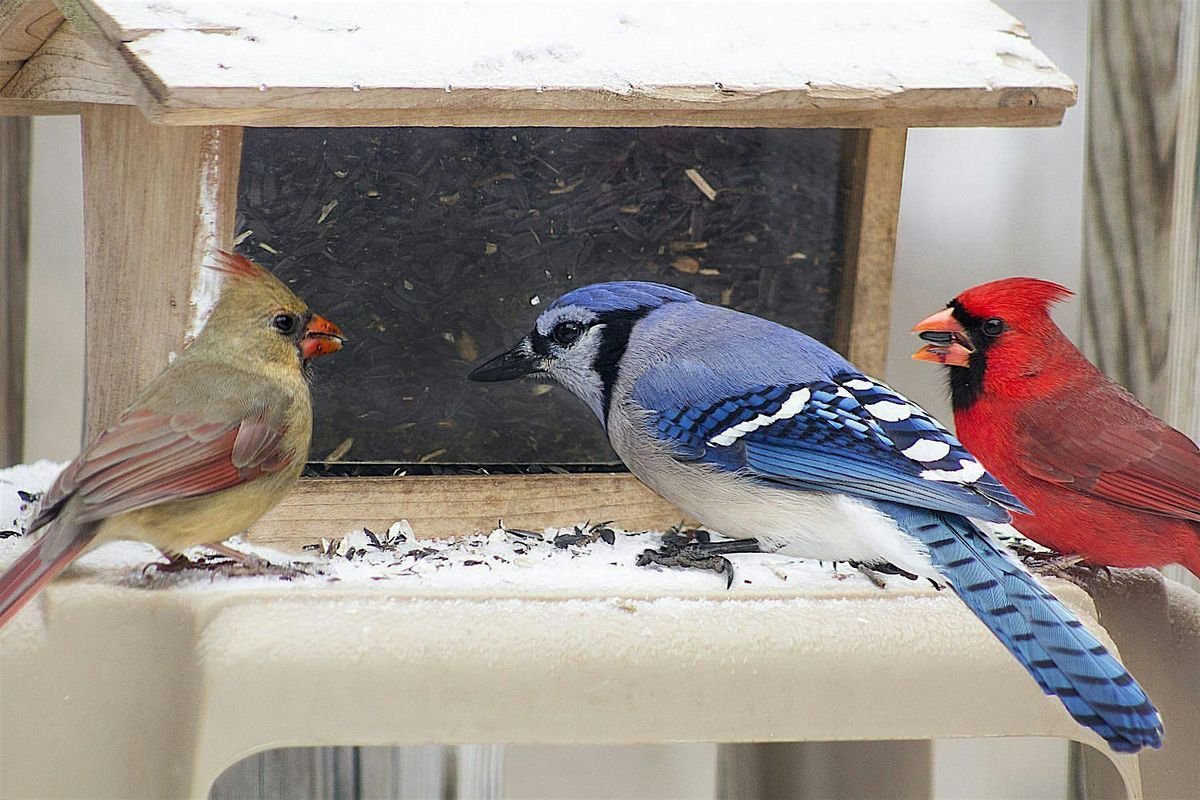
[874,570]
[706,555]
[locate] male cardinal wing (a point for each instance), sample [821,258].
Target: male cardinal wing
[1105,444]
[149,457]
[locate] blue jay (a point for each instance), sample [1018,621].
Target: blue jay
[760,431]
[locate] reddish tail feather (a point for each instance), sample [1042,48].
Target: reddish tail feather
[30,572]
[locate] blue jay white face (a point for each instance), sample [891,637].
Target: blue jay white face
[577,341]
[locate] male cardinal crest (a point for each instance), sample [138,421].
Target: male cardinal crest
[212,444]
[1107,480]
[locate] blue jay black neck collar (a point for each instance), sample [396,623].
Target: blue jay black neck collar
[618,325]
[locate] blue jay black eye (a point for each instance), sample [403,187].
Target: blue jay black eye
[993,326]
[285,323]
[566,333]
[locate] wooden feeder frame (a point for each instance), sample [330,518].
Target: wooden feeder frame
[161,163]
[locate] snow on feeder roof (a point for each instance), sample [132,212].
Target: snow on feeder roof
[814,63]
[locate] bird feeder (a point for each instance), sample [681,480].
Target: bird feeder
[427,174]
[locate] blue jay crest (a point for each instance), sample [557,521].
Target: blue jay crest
[622,296]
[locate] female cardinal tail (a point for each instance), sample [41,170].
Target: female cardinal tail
[50,555]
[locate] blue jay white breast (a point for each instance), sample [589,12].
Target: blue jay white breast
[758,430]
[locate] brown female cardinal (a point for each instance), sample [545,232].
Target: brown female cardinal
[1107,481]
[212,444]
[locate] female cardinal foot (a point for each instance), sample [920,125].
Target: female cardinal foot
[229,562]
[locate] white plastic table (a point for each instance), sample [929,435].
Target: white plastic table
[116,686]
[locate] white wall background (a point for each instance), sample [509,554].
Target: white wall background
[978,204]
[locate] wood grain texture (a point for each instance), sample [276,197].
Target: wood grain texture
[479,772]
[490,116]
[826,771]
[68,69]
[155,201]
[291,773]
[453,506]
[812,63]
[1183,336]
[14,266]
[417,772]
[874,161]
[1132,107]
[24,26]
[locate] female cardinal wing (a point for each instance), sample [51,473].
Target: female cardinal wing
[150,456]
[1105,444]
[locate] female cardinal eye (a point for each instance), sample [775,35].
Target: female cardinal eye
[285,323]
[567,332]
[993,326]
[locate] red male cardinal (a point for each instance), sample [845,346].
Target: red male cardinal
[212,444]
[1107,480]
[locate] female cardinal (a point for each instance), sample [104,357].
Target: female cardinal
[1107,481]
[212,444]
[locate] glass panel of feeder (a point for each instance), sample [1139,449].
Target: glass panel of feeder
[434,248]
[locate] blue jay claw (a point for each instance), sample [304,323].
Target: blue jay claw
[699,555]
[874,570]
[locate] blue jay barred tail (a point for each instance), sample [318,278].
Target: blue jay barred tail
[1063,657]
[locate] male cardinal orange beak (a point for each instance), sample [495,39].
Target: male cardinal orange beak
[321,337]
[949,343]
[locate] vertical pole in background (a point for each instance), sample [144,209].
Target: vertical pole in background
[1183,343]
[1142,319]
[479,773]
[14,251]
[1132,105]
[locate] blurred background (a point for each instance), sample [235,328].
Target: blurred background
[977,204]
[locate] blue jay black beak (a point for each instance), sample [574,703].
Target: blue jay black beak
[516,363]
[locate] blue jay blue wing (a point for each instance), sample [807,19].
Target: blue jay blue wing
[848,434]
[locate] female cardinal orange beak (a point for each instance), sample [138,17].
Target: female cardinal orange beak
[321,337]
[949,343]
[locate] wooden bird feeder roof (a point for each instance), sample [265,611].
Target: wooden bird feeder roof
[814,63]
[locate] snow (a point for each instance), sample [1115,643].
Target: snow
[502,563]
[834,50]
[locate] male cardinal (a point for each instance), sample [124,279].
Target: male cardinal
[212,444]
[1107,481]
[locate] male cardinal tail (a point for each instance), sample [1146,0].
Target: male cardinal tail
[1191,559]
[1063,657]
[48,556]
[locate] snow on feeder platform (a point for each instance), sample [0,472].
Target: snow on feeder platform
[489,637]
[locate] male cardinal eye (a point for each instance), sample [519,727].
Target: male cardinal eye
[565,333]
[993,326]
[285,323]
